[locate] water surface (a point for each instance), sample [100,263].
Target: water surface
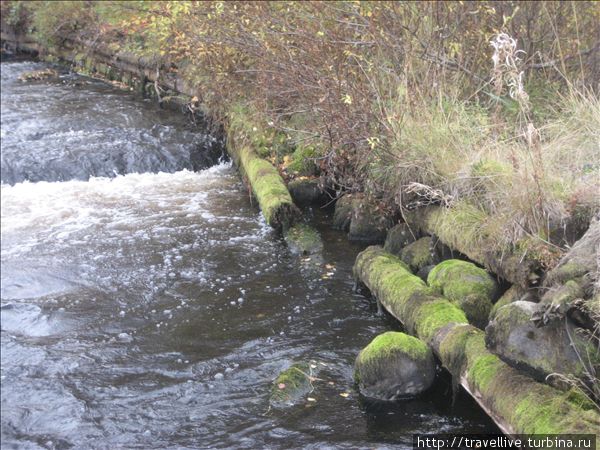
[146,304]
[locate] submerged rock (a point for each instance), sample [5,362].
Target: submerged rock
[399,237]
[467,285]
[291,385]
[553,348]
[394,365]
[37,75]
[419,254]
[302,239]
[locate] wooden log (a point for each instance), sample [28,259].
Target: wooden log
[517,267]
[517,403]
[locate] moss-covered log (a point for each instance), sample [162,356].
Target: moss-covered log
[470,287]
[394,365]
[267,185]
[459,231]
[517,403]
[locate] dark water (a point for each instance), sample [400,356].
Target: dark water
[153,310]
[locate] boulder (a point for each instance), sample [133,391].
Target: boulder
[291,385]
[343,213]
[307,192]
[363,219]
[419,254]
[37,75]
[303,239]
[554,348]
[513,294]
[394,365]
[467,285]
[367,224]
[399,237]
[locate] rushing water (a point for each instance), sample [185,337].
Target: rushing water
[154,309]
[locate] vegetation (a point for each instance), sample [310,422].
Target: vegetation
[489,108]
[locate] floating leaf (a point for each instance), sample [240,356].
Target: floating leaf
[311,399]
[345,394]
[281,385]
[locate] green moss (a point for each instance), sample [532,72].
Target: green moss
[303,161]
[455,279]
[452,348]
[386,344]
[418,254]
[484,370]
[566,272]
[433,316]
[510,296]
[543,415]
[469,286]
[291,384]
[273,197]
[507,393]
[303,239]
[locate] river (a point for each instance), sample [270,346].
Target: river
[146,304]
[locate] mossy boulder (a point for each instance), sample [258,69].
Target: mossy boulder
[303,239]
[553,348]
[38,75]
[394,365]
[469,286]
[368,223]
[419,254]
[513,294]
[342,214]
[361,218]
[291,385]
[306,191]
[399,237]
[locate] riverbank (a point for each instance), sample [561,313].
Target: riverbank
[460,224]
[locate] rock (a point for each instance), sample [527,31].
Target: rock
[367,225]
[394,365]
[572,287]
[363,220]
[343,213]
[468,286]
[419,254]
[291,385]
[307,192]
[541,351]
[399,237]
[302,239]
[513,294]
[423,272]
[37,75]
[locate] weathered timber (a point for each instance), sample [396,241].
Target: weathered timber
[516,402]
[517,267]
